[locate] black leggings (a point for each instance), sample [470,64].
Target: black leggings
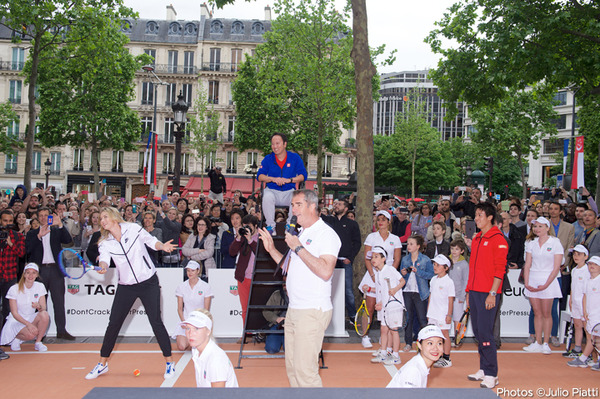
[149,293]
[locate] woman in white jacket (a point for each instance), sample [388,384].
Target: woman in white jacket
[125,243]
[200,245]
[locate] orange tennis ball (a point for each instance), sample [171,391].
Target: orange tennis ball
[136,372]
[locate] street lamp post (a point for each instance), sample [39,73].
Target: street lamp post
[47,164]
[253,170]
[469,171]
[180,109]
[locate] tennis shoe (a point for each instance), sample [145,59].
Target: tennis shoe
[366,342]
[15,345]
[530,340]
[99,369]
[392,360]
[546,349]
[577,362]
[590,361]
[571,354]
[478,376]
[40,347]
[407,348]
[380,358]
[554,342]
[3,355]
[442,363]
[170,370]
[596,367]
[377,352]
[533,348]
[489,382]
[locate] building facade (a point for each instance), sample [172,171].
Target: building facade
[190,56]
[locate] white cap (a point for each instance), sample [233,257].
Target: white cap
[198,320]
[441,260]
[379,250]
[193,265]
[429,332]
[542,220]
[595,260]
[32,266]
[581,249]
[384,213]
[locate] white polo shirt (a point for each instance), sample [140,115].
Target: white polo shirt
[579,276]
[441,289]
[592,299]
[305,289]
[213,365]
[412,375]
[193,297]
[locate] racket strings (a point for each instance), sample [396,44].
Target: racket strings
[393,314]
[362,321]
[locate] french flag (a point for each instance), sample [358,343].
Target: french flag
[577,180]
[150,160]
[565,155]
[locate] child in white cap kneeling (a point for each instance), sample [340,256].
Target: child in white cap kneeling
[213,367]
[413,374]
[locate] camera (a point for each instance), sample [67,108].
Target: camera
[214,219]
[3,232]
[243,231]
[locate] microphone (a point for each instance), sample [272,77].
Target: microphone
[291,228]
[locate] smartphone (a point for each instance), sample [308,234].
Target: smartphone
[470,227]
[67,214]
[27,222]
[103,181]
[446,197]
[134,208]
[39,185]
[50,220]
[195,210]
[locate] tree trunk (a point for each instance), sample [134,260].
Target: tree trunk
[320,158]
[30,135]
[94,143]
[414,162]
[598,176]
[522,169]
[364,70]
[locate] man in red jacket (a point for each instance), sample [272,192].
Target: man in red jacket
[486,271]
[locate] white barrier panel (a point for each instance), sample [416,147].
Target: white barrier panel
[88,302]
[515,309]
[227,311]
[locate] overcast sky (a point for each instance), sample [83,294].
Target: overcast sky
[399,24]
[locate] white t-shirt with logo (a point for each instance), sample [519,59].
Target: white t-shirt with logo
[441,289]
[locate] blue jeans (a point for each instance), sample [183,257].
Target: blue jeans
[414,306]
[348,293]
[274,342]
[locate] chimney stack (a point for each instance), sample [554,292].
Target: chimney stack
[204,11]
[171,13]
[267,13]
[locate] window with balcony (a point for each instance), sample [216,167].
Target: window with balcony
[186,90]
[210,161]
[55,159]
[36,163]
[171,94]
[117,161]
[215,59]
[168,161]
[13,129]
[232,161]
[251,158]
[231,129]
[188,62]
[147,93]
[327,165]
[151,53]
[236,59]
[146,128]
[213,91]
[185,164]
[78,159]
[169,131]
[172,61]
[10,164]
[141,156]
[14,95]
[18,59]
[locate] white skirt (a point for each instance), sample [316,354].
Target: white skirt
[537,278]
[178,331]
[367,280]
[12,327]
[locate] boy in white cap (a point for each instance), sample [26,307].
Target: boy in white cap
[591,313]
[441,304]
[430,343]
[579,276]
[213,367]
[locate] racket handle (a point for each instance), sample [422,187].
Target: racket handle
[97,268]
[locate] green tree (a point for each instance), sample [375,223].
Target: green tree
[8,143]
[43,23]
[305,74]
[204,129]
[514,126]
[490,45]
[85,86]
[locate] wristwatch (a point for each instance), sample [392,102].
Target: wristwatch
[493,293]
[298,248]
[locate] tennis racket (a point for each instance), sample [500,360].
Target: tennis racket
[570,328]
[70,258]
[362,320]
[461,328]
[595,333]
[393,312]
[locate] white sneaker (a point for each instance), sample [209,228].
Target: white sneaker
[170,370]
[442,363]
[392,360]
[533,348]
[99,369]
[366,342]
[376,353]
[478,376]
[489,382]
[15,345]
[40,347]
[546,349]
[382,357]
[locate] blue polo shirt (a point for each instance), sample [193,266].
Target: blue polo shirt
[293,167]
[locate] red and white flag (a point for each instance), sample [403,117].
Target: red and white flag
[577,180]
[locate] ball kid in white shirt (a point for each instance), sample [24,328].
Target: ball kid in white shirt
[441,303]
[580,275]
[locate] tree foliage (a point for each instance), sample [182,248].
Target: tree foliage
[514,126]
[85,86]
[43,24]
[300,82]
[8,143]
[490,45]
